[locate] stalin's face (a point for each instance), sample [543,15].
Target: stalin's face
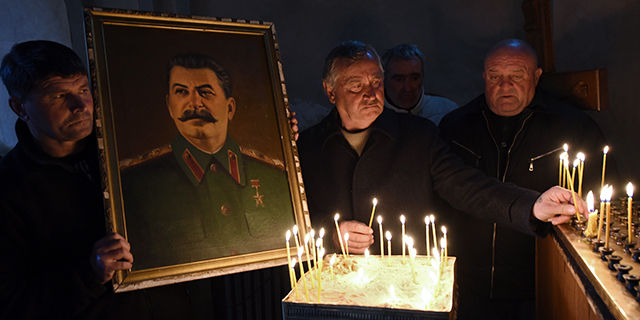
[199,107]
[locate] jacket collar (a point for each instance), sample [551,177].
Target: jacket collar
[386,125]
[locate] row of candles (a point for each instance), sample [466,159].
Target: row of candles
[439,256]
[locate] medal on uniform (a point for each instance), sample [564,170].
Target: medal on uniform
[258,196]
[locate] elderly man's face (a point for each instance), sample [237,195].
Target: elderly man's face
[198,106]
[59,109]
[358,93]
[403,82]
[510,79]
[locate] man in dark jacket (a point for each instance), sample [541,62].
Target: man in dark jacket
[515,133]
[55,260]
[361,151]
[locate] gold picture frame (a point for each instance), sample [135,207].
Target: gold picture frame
[153,185]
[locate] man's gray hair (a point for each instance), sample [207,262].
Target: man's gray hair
[405,51]
[353,51]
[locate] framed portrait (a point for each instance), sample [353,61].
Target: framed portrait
[200,171]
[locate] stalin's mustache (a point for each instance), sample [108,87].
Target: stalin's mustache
[200,113]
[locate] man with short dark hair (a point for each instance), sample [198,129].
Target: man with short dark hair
[403,76]
[55,259]
[362,151]
[203,196]
[513,132]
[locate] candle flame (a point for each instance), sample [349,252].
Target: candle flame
[295,230]
[379,219]
[432,218]
[580,156]
[565,147]
[306,238]
[444,230]
[426,220]
[402,218]
[388,234]
[590,201]
[606,150]
[293,263]
[609,194]
[333,260]
[288,235]
[375,202]
[566,162]
[630,190]
[313,233]
[409,241]
[318,243]
[443,243]
[321,233]
[603,193]
[576,162]
[563,155]
[346,237]
[366,253]
[321,254]
[412,253]
[435,254]
[300,251]
[336,217]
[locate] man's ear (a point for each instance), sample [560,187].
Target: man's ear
[232,108]
[537,74]
[329,91]
[17,105]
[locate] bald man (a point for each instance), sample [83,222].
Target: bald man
[514,132]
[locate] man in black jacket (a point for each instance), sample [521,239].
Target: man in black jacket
[515,133]
[362,150]
[55,259]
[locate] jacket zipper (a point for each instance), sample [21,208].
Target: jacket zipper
[504,175]
[540,156]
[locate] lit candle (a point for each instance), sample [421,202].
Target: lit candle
[608,209]
[366,255]
[295,236]
[566,151]
[319,274]
[436,257]
[373,211]
[304,280]
[389,242]
[604,166]
[570,182]
[306,250]
[346,242]
[319,259]
[426,232]
[335,219]
[426,296]
[629,210]
[560,169]
[580,172]
[321,237]
[331,262]
[403,235]
[603,199]
[381,237]
[446,250]
[292,274]
[412,257]
[433,228]
[312,249]
[288,236]
[443,260]
[593,221]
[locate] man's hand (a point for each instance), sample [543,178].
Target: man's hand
[294,125]
[360,236]
[109,254]
[556,206]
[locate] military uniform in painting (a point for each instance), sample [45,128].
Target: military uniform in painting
[186,205]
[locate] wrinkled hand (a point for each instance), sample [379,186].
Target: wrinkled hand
[360,236]
[556,206]
[109,254]
[294,125]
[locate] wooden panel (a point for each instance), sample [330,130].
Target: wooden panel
[586,90]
